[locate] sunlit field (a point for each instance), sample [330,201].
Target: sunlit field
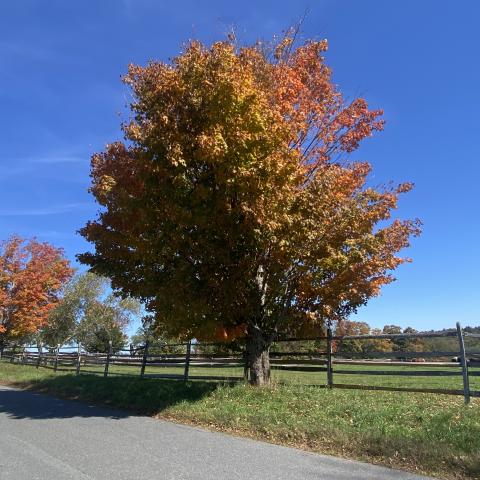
[446,376]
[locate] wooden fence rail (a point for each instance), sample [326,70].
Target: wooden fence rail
[335,363]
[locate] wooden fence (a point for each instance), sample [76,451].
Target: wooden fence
[327,357]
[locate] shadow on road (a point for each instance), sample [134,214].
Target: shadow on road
[136,396]
[21,404]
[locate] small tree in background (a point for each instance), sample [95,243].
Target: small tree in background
[406,344]
[377,345]
[99,337]
[232,210]
[349,327]
[89,314]
[158,342]
[32,276]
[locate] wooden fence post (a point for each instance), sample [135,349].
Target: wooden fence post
[329,358]
[39,358]
[245,365]
[57,351]
[79,358]
[144,360]
[187,360]
[12,358]
[464,364]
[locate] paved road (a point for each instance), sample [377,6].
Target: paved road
[46,438]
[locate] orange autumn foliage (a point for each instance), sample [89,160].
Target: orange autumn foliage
[232,208]
[32,275]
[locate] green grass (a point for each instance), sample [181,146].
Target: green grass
[316,378]
[433,434]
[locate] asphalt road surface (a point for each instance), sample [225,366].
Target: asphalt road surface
[44,438]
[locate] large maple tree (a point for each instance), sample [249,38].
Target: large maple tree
[32,275]
[232,209]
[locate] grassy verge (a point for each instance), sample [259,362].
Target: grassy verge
[423,433]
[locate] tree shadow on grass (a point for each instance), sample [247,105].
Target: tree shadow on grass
[131,395]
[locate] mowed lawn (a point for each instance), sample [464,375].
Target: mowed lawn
[423,433]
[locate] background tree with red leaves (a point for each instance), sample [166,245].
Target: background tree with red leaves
[32,275]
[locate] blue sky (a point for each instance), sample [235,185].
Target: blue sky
[61,99]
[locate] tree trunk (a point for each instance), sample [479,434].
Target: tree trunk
[258,356]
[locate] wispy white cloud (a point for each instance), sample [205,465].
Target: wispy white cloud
[34,52]
[57,159]
[13,170]
[56,235]
[53,210]
[26,165]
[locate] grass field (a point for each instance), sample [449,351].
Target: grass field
[451,381]
[433,434]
